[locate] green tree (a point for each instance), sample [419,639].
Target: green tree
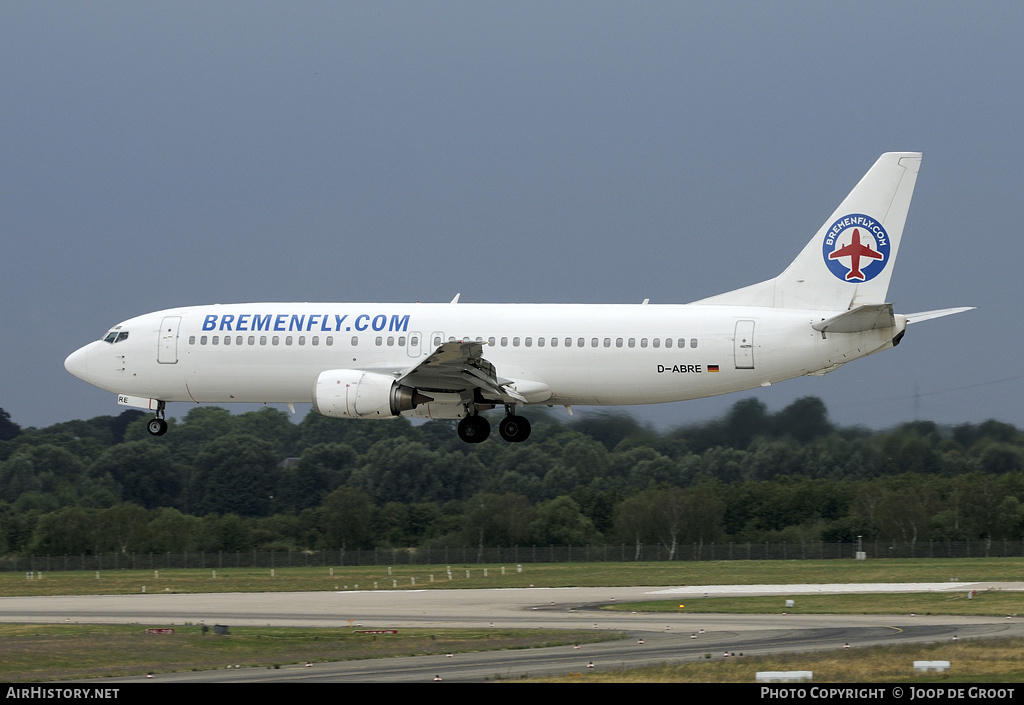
[71,530]
[146,473]
[402,470]
[170,531]
[607,428]
[320,470]
[44,468]
[228,533]
[804,419]
[8,429]
[560,522]
[493,519]
[347,519]
[123,528]
[270,425]
[236,474]
[633,521]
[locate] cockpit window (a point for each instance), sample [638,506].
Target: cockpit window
[115,336]
[110,337]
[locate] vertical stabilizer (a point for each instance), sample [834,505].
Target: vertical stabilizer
[849,261]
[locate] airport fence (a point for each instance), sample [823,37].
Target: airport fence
[435,555]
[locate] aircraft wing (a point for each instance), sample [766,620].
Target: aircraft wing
[460,366]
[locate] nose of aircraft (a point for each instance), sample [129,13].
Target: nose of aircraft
[77,363]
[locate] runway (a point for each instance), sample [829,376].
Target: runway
[666,637]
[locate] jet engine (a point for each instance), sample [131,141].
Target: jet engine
[355,394]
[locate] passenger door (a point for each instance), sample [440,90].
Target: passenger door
[167,353]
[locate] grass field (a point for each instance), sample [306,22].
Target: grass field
[53,652]
[117,582]
[982,661]
[982,603]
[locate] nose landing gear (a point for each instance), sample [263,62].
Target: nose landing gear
[157,426]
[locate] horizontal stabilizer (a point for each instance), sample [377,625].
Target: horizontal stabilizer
[938,313]
[862,318]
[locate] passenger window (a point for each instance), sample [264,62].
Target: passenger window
[315,340]
[252,340]
[276,340]
[378,341]
[302,340]
[643,342]
[401,341]
[490,341]
[693,342]
[618,342]
[568,342]
[215,339]
[529,342]
[238,340]
[191,340]
[391,341]
[504,342]
[227,340]
[554,342]
[668,342]
[608,342]
[580,342]
[263,340]
[632,342]
[515,342]
[330,340]
[593,342]
[682,342]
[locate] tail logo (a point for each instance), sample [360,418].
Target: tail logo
[856,248]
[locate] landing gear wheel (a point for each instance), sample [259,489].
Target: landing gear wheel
[156,427]
[514,429]
[474,429]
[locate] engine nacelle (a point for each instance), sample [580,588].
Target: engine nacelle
[355,394]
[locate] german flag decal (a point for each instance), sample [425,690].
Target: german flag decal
[712,368]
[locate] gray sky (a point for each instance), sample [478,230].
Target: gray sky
[164,154]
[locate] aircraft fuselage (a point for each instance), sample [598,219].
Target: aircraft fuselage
[578,354]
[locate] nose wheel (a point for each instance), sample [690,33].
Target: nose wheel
[158,425]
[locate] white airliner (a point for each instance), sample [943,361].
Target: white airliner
[451,361]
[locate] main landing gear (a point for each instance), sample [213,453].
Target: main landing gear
[514,429]
[474,429]
[157,426]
